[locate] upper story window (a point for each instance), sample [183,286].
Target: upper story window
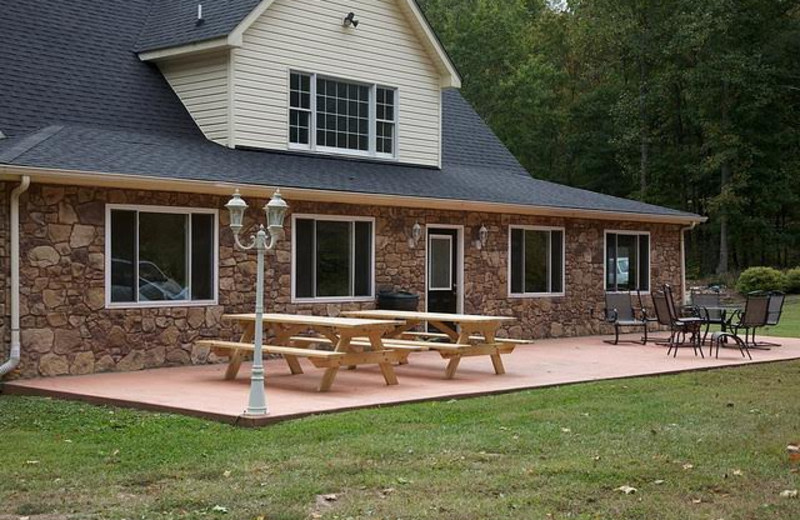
[331,115]
[627,261]
[160,256]
[536,261]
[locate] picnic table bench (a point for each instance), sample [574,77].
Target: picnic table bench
[355,342]
[473,334]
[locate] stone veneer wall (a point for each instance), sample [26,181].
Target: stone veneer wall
[66,328]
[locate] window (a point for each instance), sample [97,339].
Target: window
[160,256]
[627,261]
[333,258]
[331,115]
[536,261]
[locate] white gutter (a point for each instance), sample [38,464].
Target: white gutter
[13,358]
[684,295]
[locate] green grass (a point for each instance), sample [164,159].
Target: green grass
[789,326]
[551,453]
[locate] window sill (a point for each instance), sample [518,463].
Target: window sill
[632,291]
[336,299]
[524,296]
[160,304]
[342,152]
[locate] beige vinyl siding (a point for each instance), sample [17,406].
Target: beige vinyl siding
[309,37]
[201,83]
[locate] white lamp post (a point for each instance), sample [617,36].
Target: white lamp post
[276,212]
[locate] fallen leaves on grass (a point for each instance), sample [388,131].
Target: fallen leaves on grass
[628,490]
[226,473]
[688,466]
[738,473]
[219,509]
[789,493]
[659,482]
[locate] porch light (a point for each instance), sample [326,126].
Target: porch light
[275,211]
[349,20]
[483,237]
[236,207]
[416,234]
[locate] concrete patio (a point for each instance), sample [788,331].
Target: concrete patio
[202,391]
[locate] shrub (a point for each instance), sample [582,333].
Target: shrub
[761,279]
[793,280]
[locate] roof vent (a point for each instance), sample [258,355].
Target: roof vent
[199,14]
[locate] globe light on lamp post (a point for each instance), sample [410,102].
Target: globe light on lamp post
[262,242]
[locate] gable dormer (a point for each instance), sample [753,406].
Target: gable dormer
[299,75]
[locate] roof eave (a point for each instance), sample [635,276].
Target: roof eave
[132,181]
[214,44]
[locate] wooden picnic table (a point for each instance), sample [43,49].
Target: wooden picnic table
[473,335]
[339,332]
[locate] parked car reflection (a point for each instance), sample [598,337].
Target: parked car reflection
[154,284]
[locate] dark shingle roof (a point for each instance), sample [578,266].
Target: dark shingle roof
[174,22]
[75,97]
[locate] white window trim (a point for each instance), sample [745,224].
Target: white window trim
[160,209]
[332,299]
[649,258]
[562,293]
[449,239]
[329,150]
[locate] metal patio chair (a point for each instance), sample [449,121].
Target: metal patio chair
[754,315]
[620,312]
[683,331]
[774,312]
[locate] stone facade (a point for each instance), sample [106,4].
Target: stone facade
[67,329]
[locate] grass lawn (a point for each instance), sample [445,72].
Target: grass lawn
[705,445]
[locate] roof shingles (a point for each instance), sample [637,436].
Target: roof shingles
[76,97]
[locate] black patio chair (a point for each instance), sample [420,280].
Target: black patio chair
[774,312]
[754,315]
[620,312]
[706,307]
[680,327]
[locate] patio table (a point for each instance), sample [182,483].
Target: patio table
[723,310]
[473,334]
[339,331]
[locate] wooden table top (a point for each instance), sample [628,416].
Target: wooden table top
[319,321]
[427,316]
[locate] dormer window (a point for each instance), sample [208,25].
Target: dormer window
[334,116]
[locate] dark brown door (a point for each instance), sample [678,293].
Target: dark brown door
[443,282]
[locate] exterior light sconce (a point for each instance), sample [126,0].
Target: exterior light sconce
[350,20]
[275,211]
[483,237]
[416,234]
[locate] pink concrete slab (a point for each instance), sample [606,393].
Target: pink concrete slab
[202,391]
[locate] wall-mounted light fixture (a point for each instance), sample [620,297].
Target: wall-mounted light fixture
[350,20]
[416,234]
[483,236]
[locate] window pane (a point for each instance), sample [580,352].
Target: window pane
[162,256]
[304,259]
[644,262]
[441,263]
[517,274]
[343,113]
[123,251]
[627,262]
[363,260]
[556,261]
[333,258]
[203,257]
[611,262]
[536,260]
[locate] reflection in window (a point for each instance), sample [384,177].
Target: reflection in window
[333,258]
[627,262]
[161,256]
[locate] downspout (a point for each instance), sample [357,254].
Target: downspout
[13,359]
[684,295]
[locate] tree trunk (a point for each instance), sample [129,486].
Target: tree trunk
[644,148]
[725,173]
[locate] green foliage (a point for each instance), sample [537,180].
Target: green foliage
[761,279]
[692,105]
[793,281]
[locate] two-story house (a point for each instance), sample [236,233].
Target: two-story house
[126,126]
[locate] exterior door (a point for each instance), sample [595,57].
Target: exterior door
[443,283]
